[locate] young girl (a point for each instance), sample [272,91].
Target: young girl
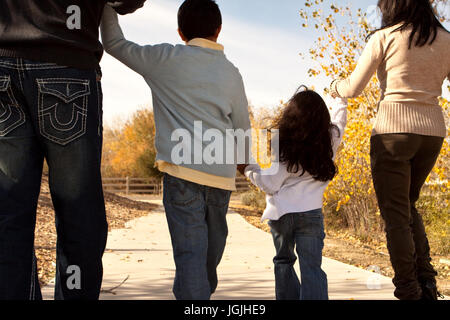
[308,139]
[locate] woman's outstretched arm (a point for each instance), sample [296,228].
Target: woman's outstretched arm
[368,63]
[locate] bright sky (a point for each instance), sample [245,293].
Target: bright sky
[262,38]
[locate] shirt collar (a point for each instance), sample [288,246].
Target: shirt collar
[205,43]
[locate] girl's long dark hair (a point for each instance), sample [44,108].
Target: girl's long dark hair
[305,133]
[418,14]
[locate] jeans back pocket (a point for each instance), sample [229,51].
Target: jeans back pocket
[180,192]
[218,197]
[63,107]
[11,114]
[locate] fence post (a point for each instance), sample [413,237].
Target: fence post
[127,186]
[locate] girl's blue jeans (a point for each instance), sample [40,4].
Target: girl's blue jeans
[301,233]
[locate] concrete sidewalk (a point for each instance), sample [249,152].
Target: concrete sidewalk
[142,254]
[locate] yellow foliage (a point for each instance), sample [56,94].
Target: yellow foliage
[129,150]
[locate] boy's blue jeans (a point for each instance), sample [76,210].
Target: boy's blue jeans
[304,232]
[54,113]
[196,215]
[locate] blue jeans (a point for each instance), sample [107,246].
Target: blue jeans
[304,232]
[54,113]
[196,215]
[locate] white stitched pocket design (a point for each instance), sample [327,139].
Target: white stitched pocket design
[11,115]
[63,106]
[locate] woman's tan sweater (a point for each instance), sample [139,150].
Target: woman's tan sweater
[411,81]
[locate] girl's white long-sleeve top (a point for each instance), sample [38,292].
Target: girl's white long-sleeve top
[289,192]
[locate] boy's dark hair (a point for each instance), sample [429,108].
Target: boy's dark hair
[199,18]
[306,133]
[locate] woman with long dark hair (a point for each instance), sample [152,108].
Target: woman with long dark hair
[411,54]
[308,140]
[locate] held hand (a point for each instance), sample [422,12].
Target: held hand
[126,6]
[333,90]
[241,168]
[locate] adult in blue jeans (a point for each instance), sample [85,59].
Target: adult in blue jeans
[51,108]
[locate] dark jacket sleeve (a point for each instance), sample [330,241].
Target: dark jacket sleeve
[126,6]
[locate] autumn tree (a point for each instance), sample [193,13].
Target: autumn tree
[129,149]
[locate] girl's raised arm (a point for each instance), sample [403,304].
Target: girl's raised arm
[339,119]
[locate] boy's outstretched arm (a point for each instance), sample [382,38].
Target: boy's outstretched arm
[141,59]
[240,117]
[126,6]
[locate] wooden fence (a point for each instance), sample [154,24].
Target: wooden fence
[132,185]
[150,186]
[242,184]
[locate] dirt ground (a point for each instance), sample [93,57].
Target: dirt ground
[119,210]
[346,248]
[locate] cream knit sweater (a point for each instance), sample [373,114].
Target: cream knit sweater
[411,81]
